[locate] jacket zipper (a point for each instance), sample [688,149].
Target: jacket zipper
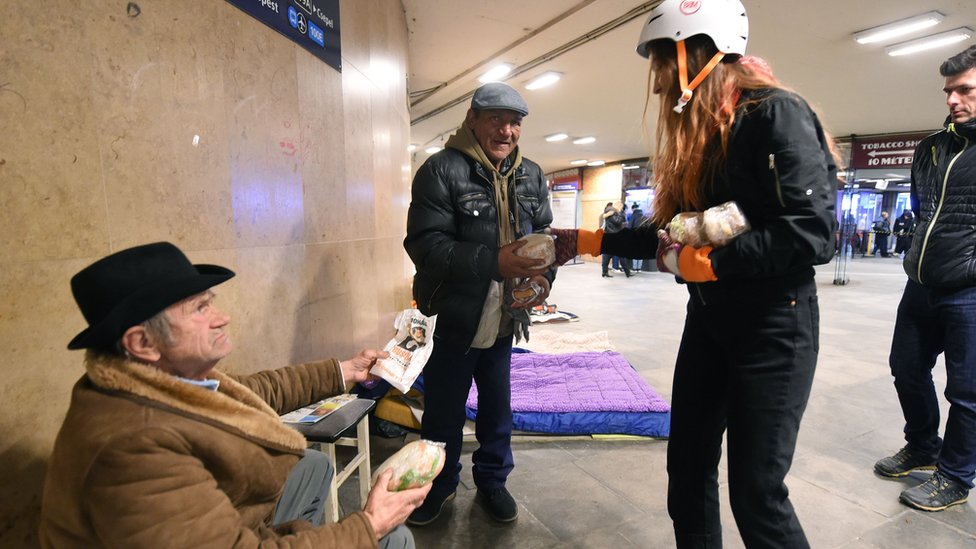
[700,296]
[430,302]
[935,216]
[779,189]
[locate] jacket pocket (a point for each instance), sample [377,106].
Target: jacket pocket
[476,205]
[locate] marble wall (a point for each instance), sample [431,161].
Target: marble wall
[192,122]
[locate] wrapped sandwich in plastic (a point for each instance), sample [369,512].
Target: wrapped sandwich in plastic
[686,228]
[723,223]
[538,246]
[414,465]
[716,227]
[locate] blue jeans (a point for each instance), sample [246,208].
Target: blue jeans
[447,380]
[932,321]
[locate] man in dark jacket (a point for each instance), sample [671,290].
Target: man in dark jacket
[470,202]
[159,449]
[937,308]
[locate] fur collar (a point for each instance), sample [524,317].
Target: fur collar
[234,406]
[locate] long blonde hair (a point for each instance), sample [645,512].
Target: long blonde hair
[691,147]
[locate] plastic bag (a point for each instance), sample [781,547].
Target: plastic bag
[409,349]
[526,292]
[414,465]
[538,246]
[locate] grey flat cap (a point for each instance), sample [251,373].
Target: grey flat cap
[496,95]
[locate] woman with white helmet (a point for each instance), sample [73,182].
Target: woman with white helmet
[728,131]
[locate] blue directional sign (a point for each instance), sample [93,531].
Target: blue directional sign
[312,24]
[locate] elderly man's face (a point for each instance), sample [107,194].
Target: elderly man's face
[199,339]
[497,131]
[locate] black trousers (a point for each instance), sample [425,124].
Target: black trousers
[745,365]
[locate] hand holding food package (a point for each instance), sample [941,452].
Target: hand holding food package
[414,465]
[716,227]
[538,246]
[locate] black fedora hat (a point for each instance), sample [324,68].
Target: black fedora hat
[131,286]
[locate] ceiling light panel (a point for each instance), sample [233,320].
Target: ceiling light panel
[579,162]
[556,137]
[596,163]
[930,42]
[496,73]
[584,140]
[898,28]
[543,80]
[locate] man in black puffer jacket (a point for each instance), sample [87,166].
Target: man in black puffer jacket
[470,202]
[937,309]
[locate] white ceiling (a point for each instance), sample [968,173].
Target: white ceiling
[857,89]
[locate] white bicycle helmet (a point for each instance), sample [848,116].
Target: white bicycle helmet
[724,21]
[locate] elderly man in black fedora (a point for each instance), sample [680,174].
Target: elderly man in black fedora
[159,449]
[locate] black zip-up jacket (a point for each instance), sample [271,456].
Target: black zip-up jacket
[943,253]
[452,235]
[782,175]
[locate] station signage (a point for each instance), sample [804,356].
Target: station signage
[887,151]
[312,24]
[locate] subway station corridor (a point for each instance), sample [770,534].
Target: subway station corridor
[578,492]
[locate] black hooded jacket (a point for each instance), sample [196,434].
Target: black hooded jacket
[452,234]
[943,253]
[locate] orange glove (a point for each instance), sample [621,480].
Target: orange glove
[694,264]
[573,242]
[589,242]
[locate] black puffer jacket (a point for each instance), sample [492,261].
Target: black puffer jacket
[452,235]
[943,253]
[781,173]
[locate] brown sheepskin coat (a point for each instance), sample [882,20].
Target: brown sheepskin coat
[146,460]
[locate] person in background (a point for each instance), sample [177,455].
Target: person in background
[729,131]
[937,309]
[159,449]
[613,222]
[904,229]
[636,219]
[882,228]
[470,202]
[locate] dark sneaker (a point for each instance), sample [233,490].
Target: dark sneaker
[904,462]
[935,494]
[429,510]
[499,504]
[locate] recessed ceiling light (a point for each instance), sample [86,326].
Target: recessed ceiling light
[432,150]
[930,42]
[411,147]
[898,28]
[496,73]
[543,80]
[596,163]
[584,140]
[556,137]
[631,167]
[578,162]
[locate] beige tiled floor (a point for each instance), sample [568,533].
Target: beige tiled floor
[585,493]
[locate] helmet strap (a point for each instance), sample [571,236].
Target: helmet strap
[687,89]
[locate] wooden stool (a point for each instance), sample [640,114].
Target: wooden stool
[337,429]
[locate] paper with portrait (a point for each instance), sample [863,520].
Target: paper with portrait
[409,349]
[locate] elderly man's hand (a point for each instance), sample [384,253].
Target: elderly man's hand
[386,510]
[356,369]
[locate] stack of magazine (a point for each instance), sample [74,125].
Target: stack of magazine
[314,413]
